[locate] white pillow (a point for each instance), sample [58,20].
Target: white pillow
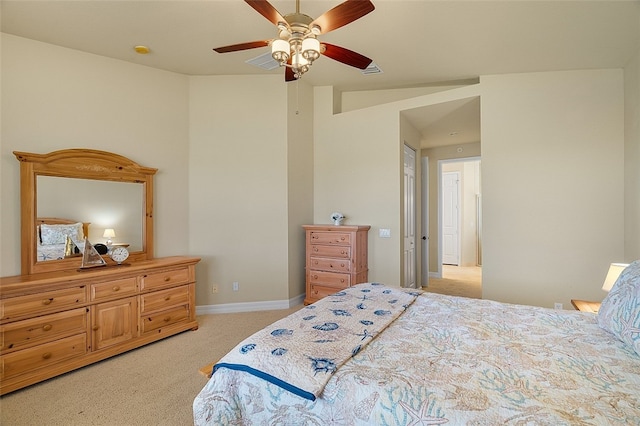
[619,313]
[57,234]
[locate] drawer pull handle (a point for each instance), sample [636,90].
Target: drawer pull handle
[167,279]
[116,288]
[342,280]
[95,328]
[167,298]
[167,319]
[47,301]
[47,327]
[46,355]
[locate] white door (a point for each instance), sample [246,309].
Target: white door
[409,217]
[450,218]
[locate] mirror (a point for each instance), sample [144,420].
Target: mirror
[100,189]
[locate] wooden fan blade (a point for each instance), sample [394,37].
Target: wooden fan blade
[242,46]
[342,14]
[264,8]
[289,75]
[346,56]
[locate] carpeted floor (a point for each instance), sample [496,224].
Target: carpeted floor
[457,281]
[152,385]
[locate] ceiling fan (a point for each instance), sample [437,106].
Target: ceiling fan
[297,46]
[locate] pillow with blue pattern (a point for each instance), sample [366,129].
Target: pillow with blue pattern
[619,313]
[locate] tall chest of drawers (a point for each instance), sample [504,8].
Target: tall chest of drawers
[336,258]
[52,323]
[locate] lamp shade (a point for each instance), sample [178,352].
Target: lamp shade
[310,49]
[280,50]
[109,233]
[614,272]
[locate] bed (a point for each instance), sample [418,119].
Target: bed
[441,359]
[52,234]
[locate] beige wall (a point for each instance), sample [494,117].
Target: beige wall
[300,179]
[237,187]
[250,187]
[534,126]
[357,171]
[235,162]
[55,98]
[553,184]
[632,159]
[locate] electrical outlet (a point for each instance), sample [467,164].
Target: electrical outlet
[236,286]
[214,289]
[557,305]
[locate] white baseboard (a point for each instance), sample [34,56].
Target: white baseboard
[229,308]
[435,274]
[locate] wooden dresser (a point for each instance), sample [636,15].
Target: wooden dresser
[336,259]
[55,322]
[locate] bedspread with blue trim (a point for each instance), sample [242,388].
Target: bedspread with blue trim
[300,352]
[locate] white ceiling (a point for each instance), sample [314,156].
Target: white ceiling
[415,43]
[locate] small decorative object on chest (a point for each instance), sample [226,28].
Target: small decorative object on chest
[119,254]
[337,218]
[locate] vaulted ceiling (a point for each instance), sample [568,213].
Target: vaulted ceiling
[414,43]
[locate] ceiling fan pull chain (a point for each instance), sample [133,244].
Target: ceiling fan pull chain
[297,96]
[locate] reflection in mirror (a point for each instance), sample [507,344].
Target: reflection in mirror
[102,204]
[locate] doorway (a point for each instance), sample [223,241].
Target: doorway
[460,225]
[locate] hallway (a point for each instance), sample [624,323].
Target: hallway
[463,281]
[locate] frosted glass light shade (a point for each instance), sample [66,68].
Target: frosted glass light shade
[280,50]
[310,49]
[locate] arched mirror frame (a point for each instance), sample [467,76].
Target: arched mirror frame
[79,164]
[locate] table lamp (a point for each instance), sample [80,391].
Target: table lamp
[614,272]
[109,233]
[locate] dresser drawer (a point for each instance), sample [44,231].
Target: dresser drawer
[330,279]
[319,291]
[150,302]
[337,265]
[43,303]
[162,319]
[335,238]
[164,279]
[44,355]
[111,289]
[26,333]
[330,251]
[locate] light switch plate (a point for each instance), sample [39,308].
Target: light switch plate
[385,233]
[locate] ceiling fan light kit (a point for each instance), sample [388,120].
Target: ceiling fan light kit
[297,46]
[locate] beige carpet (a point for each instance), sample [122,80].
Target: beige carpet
[457,281]
[152,385]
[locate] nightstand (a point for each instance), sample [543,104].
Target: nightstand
[586,306]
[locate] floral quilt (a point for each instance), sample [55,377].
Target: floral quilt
[453,360]
[301,352]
